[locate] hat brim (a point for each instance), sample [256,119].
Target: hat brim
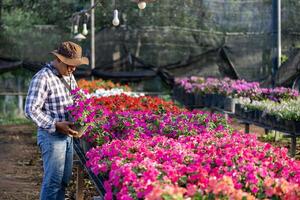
[70,61]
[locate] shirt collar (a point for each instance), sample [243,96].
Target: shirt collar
[53,69]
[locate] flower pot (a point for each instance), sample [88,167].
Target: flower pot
[216,100]
[279,124]
[257,115]
[220,101]
[229,104]
[249,114]
[190,100]
[81,130]
[244,113]
[213,101]
[265,120]
[176,92]
[180,94]
[297,127]
[208,100]
[262,119]
[199,100]
[272,120]
[289,125]
[238,111]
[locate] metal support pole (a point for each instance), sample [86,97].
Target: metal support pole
[1,14]
[92,37]
[278,52]
[276,34]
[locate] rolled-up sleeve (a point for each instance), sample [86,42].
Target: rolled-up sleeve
[37,94]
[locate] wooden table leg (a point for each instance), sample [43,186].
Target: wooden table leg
[247,127]
[293,146]
[79,182]
[266,131]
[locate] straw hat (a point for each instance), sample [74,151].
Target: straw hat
[70,54]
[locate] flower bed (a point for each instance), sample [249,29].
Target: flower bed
[151,149]
[124,102]
[195,164]
[141,124]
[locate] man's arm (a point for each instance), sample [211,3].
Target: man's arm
[37,94]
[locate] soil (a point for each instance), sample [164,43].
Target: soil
[21,165]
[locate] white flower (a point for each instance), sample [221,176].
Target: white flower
[114,91]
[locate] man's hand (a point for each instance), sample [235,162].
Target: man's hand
[65,127]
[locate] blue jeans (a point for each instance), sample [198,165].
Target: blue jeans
[57,155]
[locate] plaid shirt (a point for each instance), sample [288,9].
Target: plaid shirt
[48,97]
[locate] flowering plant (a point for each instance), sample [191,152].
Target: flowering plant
[233,165]
[151,149]
[82,112]
[288,110]
[124,102]
[112,92]
[93,112]
[92,86]
[145,124]
[235,88]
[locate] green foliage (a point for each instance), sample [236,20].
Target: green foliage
[9,107]
[14,121]
[29,22]
[168,30]
[31,12]
[271,137]
[284,58]
[9,80]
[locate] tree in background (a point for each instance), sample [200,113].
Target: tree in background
[31,28]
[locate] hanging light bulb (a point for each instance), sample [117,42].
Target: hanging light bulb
[142,5]
[76,20]
[75,29]
[85,30]
[116,20]
[79,37]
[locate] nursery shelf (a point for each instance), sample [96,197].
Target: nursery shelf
[97,180]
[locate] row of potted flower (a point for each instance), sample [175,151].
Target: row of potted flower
[92,86]
[284,115]
[112,92]
[210,92]
[197,100]
[235,88]
[144,115]
[84,105]
[159,153]
[144,124]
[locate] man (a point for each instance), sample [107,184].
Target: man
[47,98]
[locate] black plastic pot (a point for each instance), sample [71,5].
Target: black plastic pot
[208,100]
[229,104]
[199,100]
